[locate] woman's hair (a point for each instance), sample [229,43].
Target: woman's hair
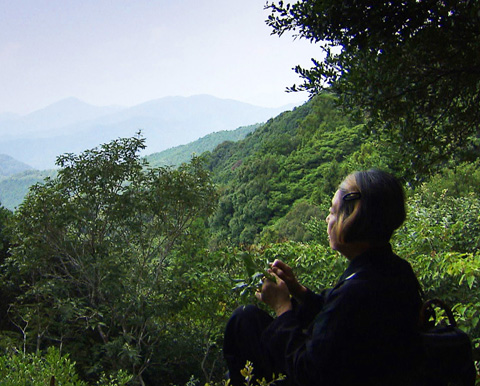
[372,206]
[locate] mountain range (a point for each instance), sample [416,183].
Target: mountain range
[72,126]
[16,178]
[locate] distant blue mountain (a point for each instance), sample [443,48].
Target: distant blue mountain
[51,119]
[14,186]
[10,166]
[73,126]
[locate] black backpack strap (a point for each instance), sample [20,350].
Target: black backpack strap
[427,318]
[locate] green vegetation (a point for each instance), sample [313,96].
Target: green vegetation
[10,166]
[119,272]
[16,179]
[49,369]
[131,271]
[14,188]
[92,254]
[285,173]
[181,154]
[412,67]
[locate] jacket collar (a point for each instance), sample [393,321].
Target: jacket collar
[370,257]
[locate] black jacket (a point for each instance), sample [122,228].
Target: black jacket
[360,332]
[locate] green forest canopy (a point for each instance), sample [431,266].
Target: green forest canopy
[411,67]
[132,270]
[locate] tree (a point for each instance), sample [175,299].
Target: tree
[5,216]
[412,66]
[92,249]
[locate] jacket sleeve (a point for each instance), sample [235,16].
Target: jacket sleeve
[309,308]
[311,357]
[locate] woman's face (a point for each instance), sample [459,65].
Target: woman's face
[331,221]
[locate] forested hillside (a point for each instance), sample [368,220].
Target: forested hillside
[132,271]
[10,166]
[183,153]
[283,174]
[14,187]
[115,272]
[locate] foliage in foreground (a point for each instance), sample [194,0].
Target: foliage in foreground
[109,259]
[92,253]
[250,380]
[49,368]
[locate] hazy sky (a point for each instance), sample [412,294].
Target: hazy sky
[126,52]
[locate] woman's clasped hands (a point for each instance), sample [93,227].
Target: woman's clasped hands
[277,295]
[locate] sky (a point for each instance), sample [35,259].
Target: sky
[126,52]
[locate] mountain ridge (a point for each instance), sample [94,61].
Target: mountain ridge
[14,187]
[165,122]
[10,166]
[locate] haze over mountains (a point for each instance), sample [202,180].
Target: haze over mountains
[9,166]
[71,126]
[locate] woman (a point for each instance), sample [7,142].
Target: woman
[360,332]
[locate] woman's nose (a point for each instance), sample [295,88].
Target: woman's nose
[326,219]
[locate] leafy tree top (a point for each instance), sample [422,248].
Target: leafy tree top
[412,66]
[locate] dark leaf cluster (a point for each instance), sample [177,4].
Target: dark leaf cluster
[413,67]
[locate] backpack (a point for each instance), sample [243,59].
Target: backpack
[447,350]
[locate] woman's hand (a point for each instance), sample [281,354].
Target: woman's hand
[285,273]
[275,295]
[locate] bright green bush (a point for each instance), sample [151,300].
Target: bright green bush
[93,249]
[315,265]
[50,368]
[439,222]
[38,370]
[441,239]
[248,374]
